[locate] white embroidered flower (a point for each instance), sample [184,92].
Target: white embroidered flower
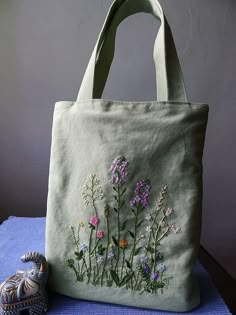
[169,212]
[100,260]
[148,217]
[163,223]
[148,229]
[142,236]
[176,229]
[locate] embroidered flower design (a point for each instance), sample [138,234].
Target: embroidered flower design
[146,269]
[155,276]
[149,229]
[84,248]
[163,223]
[100,234]
[161,267]
[176,229]
[143,260]
[119,172]
[123,243]
[81,224]
[109,258]
[100,260]
[110,255]
[169,212]
[142,192]
[92,190]
[94,221]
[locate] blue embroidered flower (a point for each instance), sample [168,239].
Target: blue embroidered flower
[143,260]
[146,268]
[84,248]
[161,267]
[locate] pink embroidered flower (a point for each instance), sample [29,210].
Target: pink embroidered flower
[94,221]
[100,234]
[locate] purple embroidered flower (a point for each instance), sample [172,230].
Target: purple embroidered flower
[155,276]
[119,172]
[142,191]
[146,268]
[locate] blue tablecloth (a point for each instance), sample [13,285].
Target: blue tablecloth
[20,235]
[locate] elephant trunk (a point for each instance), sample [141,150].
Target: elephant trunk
[38,260]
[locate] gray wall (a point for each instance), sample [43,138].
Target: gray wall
[44,49]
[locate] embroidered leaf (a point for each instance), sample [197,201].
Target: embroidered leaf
[126,279]
[101,250]
[150,249]
[131,234]
[115,277]
[128,264]
[80,278]
[79,255]
[140,222]
[122,203]
[123,226]
[114,188]
[137,251]
[115,241]
[91,226]
[123,191]
[115,210]
[116,198]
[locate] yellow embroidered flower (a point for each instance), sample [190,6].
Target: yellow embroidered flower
[81,223]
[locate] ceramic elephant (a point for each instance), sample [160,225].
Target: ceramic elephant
[26,290]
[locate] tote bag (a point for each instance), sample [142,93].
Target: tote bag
[125,184]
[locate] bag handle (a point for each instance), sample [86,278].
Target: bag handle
[170,84]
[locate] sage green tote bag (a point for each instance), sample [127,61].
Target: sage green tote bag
[125,184]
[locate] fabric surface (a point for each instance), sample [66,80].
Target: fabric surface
[20,235]
[141,206]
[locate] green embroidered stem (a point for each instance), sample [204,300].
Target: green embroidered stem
[118,225]
[90,262]
[156,241]
[123,263]
[135,236]
[106,212]
[159,208]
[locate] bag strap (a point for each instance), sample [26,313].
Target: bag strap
[170,84]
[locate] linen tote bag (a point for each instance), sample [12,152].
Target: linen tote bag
[125,184]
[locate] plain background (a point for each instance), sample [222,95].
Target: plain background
[44,50]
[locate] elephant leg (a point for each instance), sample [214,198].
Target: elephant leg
[38,309]
[14,312]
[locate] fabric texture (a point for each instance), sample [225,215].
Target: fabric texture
[20,235]
[125,184]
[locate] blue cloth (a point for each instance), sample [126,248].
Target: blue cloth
[20,235]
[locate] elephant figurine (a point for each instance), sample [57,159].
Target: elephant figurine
[26,290]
